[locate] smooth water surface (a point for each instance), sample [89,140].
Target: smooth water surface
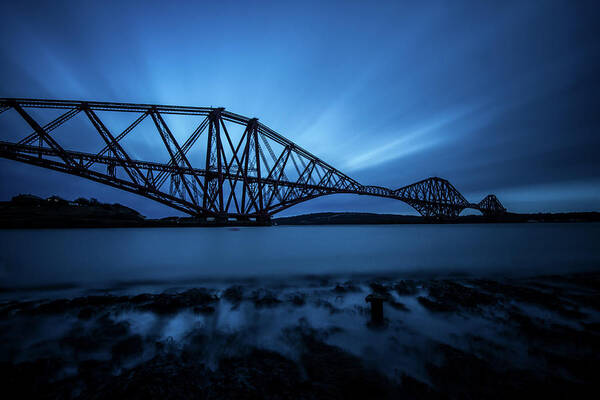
[97,257]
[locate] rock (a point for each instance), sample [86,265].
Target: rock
[339,375]
[130,347]
[261,374]
[94,371]
[203,310]
[234,294]
[448,296]
[346,287]
[463,375]
[297,299]
[378,288]
[53,307]
[434,305]
[397,305]
[163,377]
[549,300]
[406,288]
[170,303]
[264,298]
[326,304]
[106,328]
[32,379]
[86,313]
[103,332]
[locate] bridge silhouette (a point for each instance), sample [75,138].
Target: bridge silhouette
[246,171]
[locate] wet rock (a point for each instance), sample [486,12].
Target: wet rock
[587,300]
[326,304]
[234,294]
[203,310]
[397,305]
[337,374]
[447,296]
[98,301]
[103,332]
[167,346]
[195,345]
[589,280]
[565,354]
[142,298]
[264,298]
[582,366]
[379,288]
[297,299]
[261,374]
[171,303]
[411,388]
[406,287]
[106,328]
[458,368]
[484,347]
[463,375]
[163,377]
[550,334]
[130,347]
[32,379]
[86,313]
[434,305]
[548,300]
[592,326]
[15,307]
[81,341]
[346,287]
[94,371]
[53,307]
[339,289]
[62,306]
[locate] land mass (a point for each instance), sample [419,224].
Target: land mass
[28,211]
[350,218]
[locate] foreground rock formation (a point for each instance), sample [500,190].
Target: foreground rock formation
[311,338]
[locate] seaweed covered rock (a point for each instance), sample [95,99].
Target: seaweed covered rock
[170,303]
[448,295]
[260,374]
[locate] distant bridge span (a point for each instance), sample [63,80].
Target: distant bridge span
[229,166]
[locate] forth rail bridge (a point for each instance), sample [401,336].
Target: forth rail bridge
[229,168]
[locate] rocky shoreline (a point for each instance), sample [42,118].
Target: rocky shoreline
[449,338]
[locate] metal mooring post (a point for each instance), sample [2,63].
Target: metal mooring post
[376,308]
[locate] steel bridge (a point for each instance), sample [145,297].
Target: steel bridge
[229,166]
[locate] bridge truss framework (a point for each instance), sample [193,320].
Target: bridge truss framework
[251,173]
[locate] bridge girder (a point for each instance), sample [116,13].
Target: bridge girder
[491,206]
[252,174]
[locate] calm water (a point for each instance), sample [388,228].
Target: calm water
[100,257]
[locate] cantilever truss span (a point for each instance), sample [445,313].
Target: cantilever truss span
[229,166]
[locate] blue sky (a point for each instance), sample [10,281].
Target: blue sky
[497,97]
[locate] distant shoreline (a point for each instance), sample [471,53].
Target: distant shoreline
[392,219]
[31,212]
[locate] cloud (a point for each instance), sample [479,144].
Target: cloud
[417,140]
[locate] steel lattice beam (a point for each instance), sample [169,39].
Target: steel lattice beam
[243,179]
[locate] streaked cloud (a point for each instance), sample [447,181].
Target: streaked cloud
[413,141]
